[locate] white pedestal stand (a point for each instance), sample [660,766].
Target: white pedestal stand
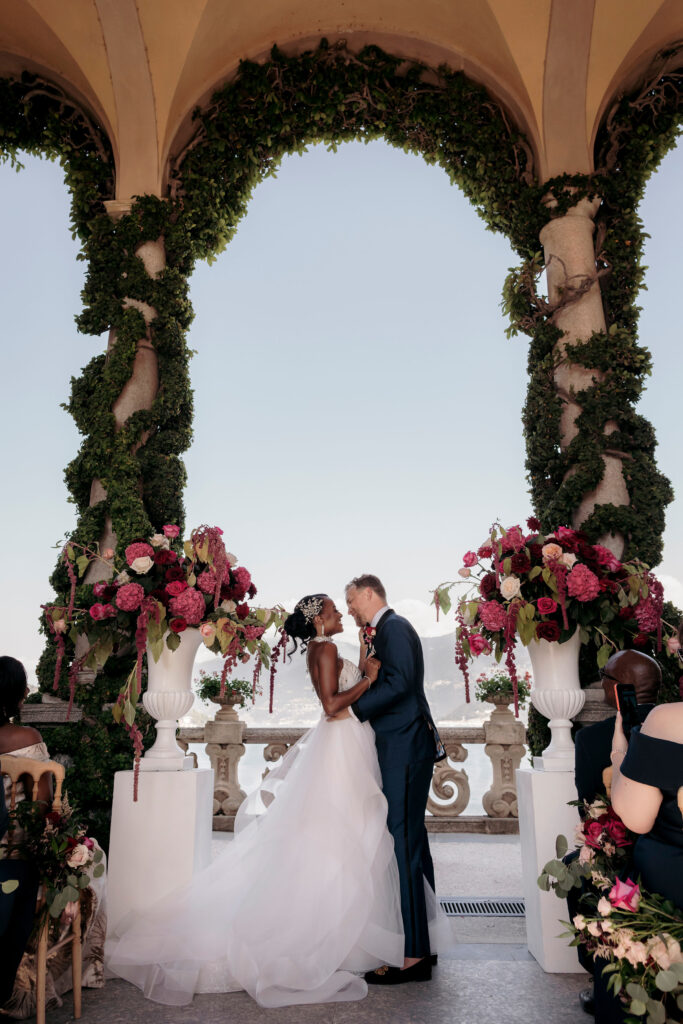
[542,798]
[159,841]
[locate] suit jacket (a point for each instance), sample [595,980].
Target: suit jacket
[592,748]
[395,705]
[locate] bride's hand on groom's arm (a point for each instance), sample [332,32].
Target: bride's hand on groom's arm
[372,667]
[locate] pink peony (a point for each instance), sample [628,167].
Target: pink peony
[625,895]
[189,605]
[129,597]
[513,540]
[206,581]
[479,644]
[492,615]
[138,550]
[171,531]
[469,559]
[583,584]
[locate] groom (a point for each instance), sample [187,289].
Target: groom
[407,747]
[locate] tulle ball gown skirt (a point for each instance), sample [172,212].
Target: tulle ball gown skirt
[305,894]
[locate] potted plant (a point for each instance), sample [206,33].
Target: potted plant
[496,687]
[236,692]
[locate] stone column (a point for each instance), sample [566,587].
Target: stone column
[224,746]
[505,737]
[141,389]
[570,261]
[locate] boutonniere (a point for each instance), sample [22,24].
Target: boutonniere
[369,634]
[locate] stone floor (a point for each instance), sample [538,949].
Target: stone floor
[490,977]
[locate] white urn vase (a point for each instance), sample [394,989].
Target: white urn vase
[167,698]
[557,694]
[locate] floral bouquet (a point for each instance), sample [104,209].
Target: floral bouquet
[163,588]
[535,586]
[639,934]
[498,684]
[64,857]
[603,843]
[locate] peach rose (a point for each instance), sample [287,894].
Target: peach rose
[108,554]
[208,631]
[464,573]
[142,564]
[551,552]
[673,644]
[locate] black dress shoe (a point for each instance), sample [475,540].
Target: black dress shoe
[587,1000]
[421,971]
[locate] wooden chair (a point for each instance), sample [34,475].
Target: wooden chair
[16,768]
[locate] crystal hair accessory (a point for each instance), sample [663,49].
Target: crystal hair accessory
[310,607]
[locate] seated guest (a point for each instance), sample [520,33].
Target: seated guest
[24,741]
[594,742]
[647,779]
[17,911]
[593,746]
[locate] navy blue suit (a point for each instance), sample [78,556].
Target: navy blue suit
[407,747]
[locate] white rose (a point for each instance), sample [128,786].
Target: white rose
[142,564]
[604,906]
[232,559]
[159,541]
[586,855]
[228,606]
[568,559]
[122,577]
[579,922]
[510,587]
[594,929]
[80,855]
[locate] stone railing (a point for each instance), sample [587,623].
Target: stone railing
[502,735]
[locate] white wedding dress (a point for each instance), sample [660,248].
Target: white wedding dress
[306,894]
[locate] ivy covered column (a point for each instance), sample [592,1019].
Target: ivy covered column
[574,288]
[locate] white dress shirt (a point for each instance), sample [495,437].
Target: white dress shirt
[378,615]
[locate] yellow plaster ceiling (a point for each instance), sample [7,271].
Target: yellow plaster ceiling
[142,65]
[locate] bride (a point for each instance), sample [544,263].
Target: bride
[307,894]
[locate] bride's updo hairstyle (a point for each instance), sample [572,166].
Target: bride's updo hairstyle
[12,688]
[299,625]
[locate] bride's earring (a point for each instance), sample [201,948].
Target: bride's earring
[323,630]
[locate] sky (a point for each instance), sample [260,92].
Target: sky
[357,402]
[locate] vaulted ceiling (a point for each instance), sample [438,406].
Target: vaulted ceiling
[141,66]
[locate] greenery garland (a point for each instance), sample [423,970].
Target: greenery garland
[330,94]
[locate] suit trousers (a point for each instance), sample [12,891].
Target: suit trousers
[406,788]
[17,914]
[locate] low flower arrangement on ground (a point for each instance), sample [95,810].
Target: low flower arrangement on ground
[497,685]
[638,934]
[533,586]
[210,686]
[65,858]
[164,588]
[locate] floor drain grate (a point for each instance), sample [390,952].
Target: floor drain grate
[482,907]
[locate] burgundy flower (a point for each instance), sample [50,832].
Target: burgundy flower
[99,611]
[174,574]
[513,540]
[469,559]
[592,831]
[488,584]
[485,551]
[582,584]
[161,595]
[165,557]
[641,640]
[206,581]
[241,611]
[520,563]
[140,549]
[627,613]
[608,586]
[252,592]
[189,605]
[130,597]
[546,605]
[616,830]
[535,553]
[547,631]
[176,588]
[533,523]
[178,625]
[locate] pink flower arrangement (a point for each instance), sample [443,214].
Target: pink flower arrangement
[130,596]
[139,549]
[190,605]
[492,615]
[206,581]
[582,584]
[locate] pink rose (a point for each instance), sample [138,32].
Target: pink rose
[469,559]
[171,531]
[592,832]
[479,644]
[189,605]
[101,611]
[138,550]
[625,895]
[60,626]
[583,584]
[464,573]
[546,606]
[207,630]
[176,587]
[673,644]
[605,558]
[108,554]
[616,830]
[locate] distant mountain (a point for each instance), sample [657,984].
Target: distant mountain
[296,704]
